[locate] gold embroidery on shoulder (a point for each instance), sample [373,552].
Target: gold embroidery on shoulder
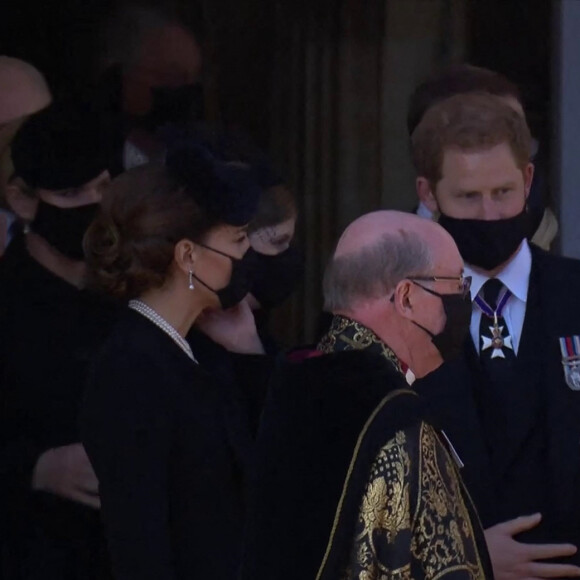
[347,334]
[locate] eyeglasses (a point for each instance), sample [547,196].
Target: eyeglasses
[464,282]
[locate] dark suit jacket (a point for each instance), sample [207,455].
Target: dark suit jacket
[537,457]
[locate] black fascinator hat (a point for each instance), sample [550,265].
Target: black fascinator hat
[227,191]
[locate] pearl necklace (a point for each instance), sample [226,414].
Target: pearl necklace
[161,323]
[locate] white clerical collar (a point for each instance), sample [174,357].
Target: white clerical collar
[515,275]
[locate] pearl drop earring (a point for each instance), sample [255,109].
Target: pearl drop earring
[191,286]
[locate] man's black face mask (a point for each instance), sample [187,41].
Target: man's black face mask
[487,244]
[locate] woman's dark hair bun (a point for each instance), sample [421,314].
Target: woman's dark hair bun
[129,247]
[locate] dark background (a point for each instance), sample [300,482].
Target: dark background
[276,69]
[59,37]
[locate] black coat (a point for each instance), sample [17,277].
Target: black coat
[49,331]
[246,374]
[538,457]
[169,445]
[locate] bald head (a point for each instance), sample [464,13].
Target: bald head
[23,90]
[371,228]
[173,52]
[380,249]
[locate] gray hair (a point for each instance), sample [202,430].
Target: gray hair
[374,271]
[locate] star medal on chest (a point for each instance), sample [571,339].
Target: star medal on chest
[497,342]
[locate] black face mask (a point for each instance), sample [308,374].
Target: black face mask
[64,228]
[487,244]
[449,342]
[277,276]
[240,283]
[175,105]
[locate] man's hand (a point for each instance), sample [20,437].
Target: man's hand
[234,329]
[513,560]
[67,472]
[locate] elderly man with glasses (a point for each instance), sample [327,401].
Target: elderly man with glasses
[352,480]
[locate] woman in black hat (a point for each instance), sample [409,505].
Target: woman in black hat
[168,442]
[50,326]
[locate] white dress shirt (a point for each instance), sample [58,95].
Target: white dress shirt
[516,277]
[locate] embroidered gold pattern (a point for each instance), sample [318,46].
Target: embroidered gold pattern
[347,334]
[392,395]
[413,519]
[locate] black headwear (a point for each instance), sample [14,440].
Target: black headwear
[226,191]
[61,147]
[227,146]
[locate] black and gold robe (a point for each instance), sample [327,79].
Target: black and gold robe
[351,481]
[414,520]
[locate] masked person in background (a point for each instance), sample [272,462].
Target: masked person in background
[24,92]
[151,77]
[510,403]
[50,327]
[347,463]
[168,441]
[280,265]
